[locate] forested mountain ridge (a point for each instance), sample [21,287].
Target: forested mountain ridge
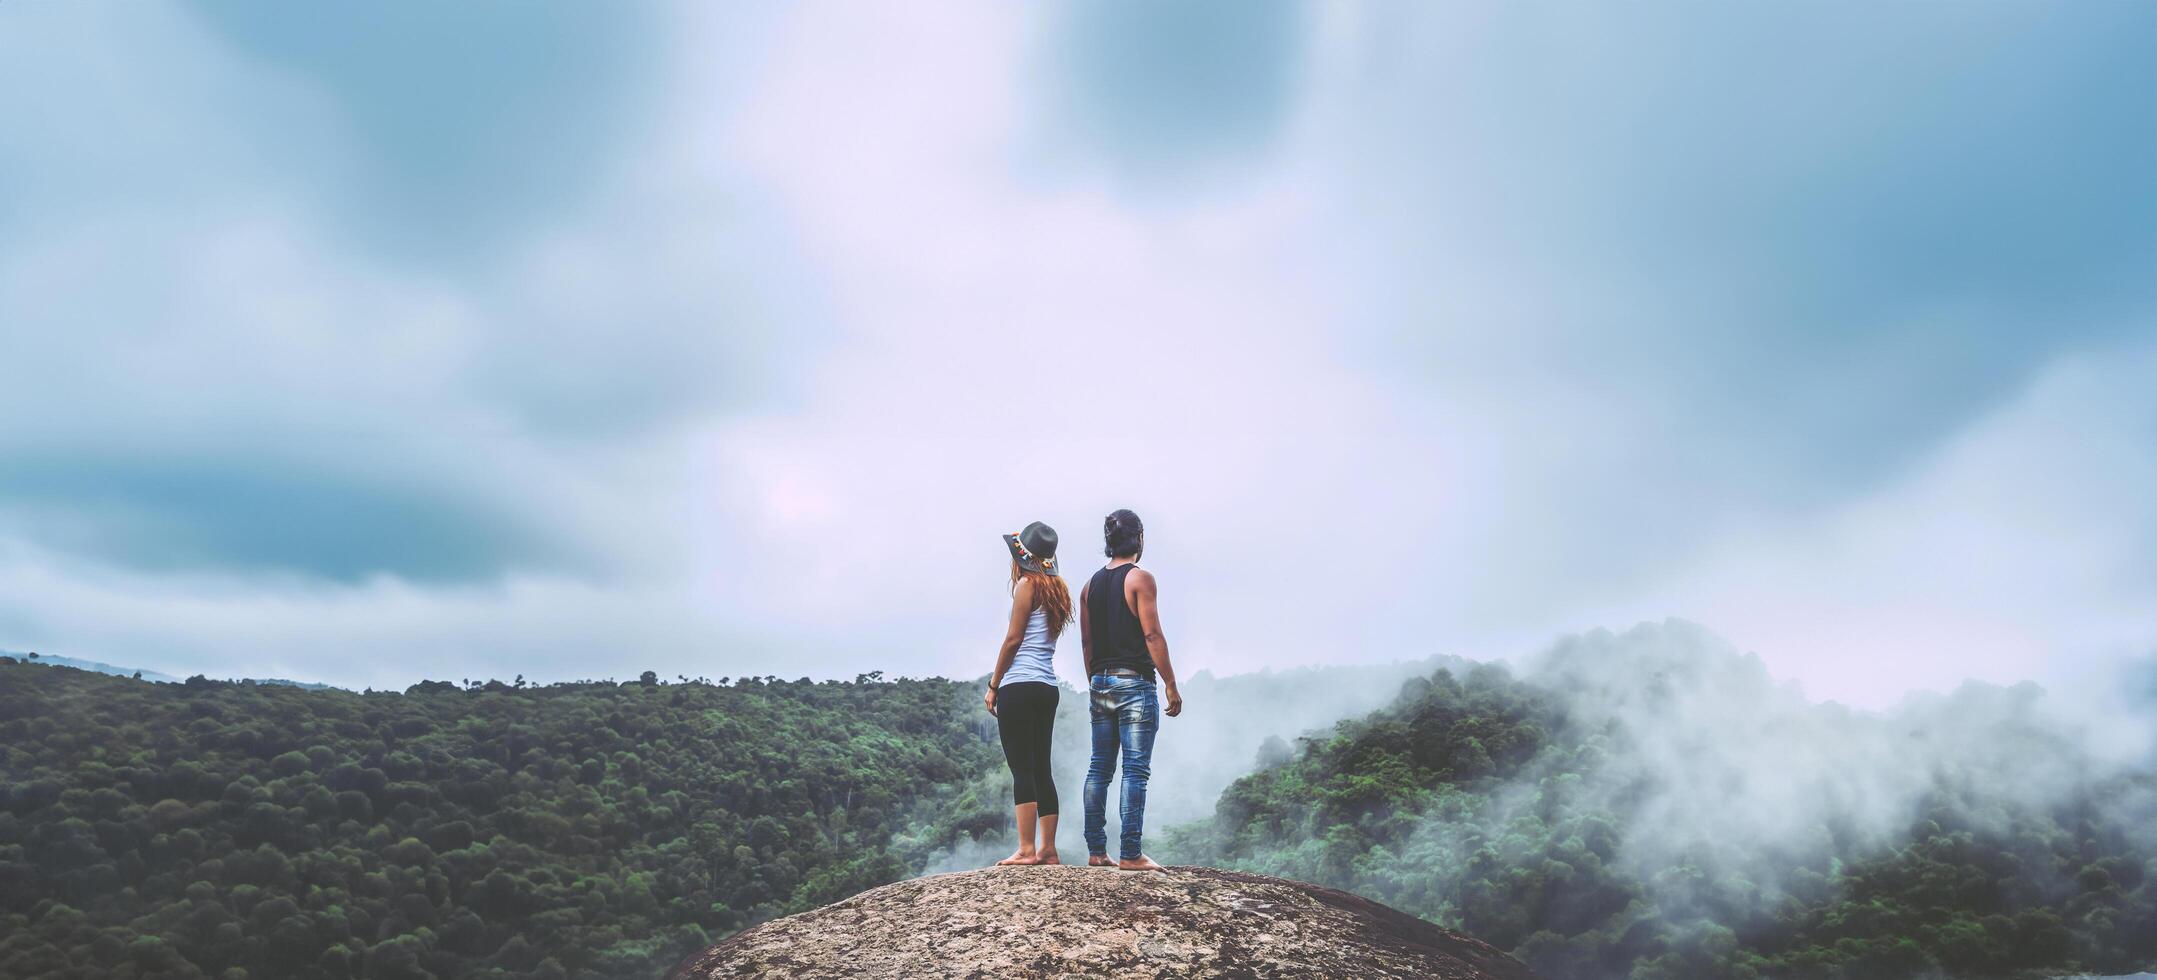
[1651,806]
[591,830]
[1648,805]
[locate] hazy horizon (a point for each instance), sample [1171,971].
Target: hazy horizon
[723,342]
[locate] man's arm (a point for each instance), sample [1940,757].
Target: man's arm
[1145,600]
[1086,631]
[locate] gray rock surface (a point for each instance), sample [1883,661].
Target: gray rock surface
[1074,921]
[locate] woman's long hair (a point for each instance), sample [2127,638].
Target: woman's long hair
[1050,596]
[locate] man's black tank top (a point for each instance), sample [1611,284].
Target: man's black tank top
[1117,639]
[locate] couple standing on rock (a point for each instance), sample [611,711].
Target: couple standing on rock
[1120,635]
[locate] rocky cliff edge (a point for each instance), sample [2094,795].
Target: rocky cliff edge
[1072,921]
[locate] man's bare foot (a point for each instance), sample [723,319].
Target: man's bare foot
[1143,863]
[1098,861]
[1021,857]
[1048,856]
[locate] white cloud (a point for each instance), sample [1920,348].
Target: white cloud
[1022,347]
[2020,549]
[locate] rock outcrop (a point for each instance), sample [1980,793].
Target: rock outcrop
[1074,921]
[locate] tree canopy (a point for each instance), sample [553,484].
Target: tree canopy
[479,831]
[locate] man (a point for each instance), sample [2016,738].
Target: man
[1120,634]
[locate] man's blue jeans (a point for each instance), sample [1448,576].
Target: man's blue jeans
[1126,714]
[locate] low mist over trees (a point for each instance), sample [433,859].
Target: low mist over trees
[1652,806]
[588,830]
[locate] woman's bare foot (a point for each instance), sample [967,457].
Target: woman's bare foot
[1098,861]
[1143,863]
[1022,856]
[1048,856]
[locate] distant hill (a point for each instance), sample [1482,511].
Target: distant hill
[94,666]
[283,682]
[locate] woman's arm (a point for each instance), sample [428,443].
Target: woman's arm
[1022,606]
[1086,631]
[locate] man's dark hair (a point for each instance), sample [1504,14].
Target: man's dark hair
[1124,533]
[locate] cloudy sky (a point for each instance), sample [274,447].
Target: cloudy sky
[570,340]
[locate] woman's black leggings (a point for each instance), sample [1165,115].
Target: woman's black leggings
[1025,719]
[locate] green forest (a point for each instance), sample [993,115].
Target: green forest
[1475,801]
[498,830]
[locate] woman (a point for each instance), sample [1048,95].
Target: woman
[1022,689]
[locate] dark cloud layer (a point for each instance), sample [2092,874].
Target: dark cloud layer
[1838,230]
[247,515]
[470,121]
[1159,89]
